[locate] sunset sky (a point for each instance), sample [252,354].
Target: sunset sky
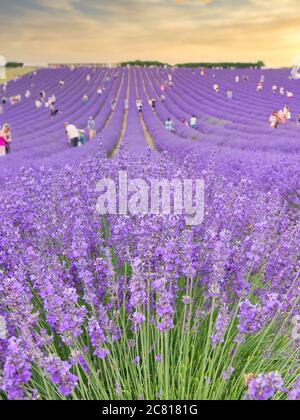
[42,31]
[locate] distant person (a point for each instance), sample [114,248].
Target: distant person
[73,134]
[184,121]
[85,99]
[82,138]
[275,88]
[281,117]
[42,96]
[287,113]
[54,111]
[216,88]
[153,104]
[5,140]
[61,83]
[91,128]
[100,91]
[27,94]
[52,99]
[113,104]
[88,78]
[229,94]
[169,125]
[139,105]
[282,91]
[237,79]
[193,122]
[259,87]
[273,120]
[38,104]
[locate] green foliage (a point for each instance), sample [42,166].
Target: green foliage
[14,65]
[189,366]
[226,65]
[144,63]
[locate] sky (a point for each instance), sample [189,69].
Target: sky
[173,31]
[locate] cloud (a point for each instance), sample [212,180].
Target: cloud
[169,30]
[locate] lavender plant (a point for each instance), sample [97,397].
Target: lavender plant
[146,307]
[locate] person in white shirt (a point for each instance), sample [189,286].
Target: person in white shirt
[282,91]
[193,122]
[287,112]
[274,88]
[27,94]
[139,105]
[169,125]
[73,134]
[216,87]
[281,117]
[229,94]
[259,87]
[237,79]
[38,104]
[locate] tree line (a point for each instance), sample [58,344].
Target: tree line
[225,65]
[14,65]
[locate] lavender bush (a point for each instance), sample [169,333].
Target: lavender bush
[145,307]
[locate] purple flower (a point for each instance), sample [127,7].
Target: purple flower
[60,375]
[264,387]
[136,360]
[138,318]
[227,374]
[186,300]
[16,371]
[97,339]
[158,358]
[294,394]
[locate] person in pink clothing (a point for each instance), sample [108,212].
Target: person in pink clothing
[5,139]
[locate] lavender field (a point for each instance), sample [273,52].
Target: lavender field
[144,306]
